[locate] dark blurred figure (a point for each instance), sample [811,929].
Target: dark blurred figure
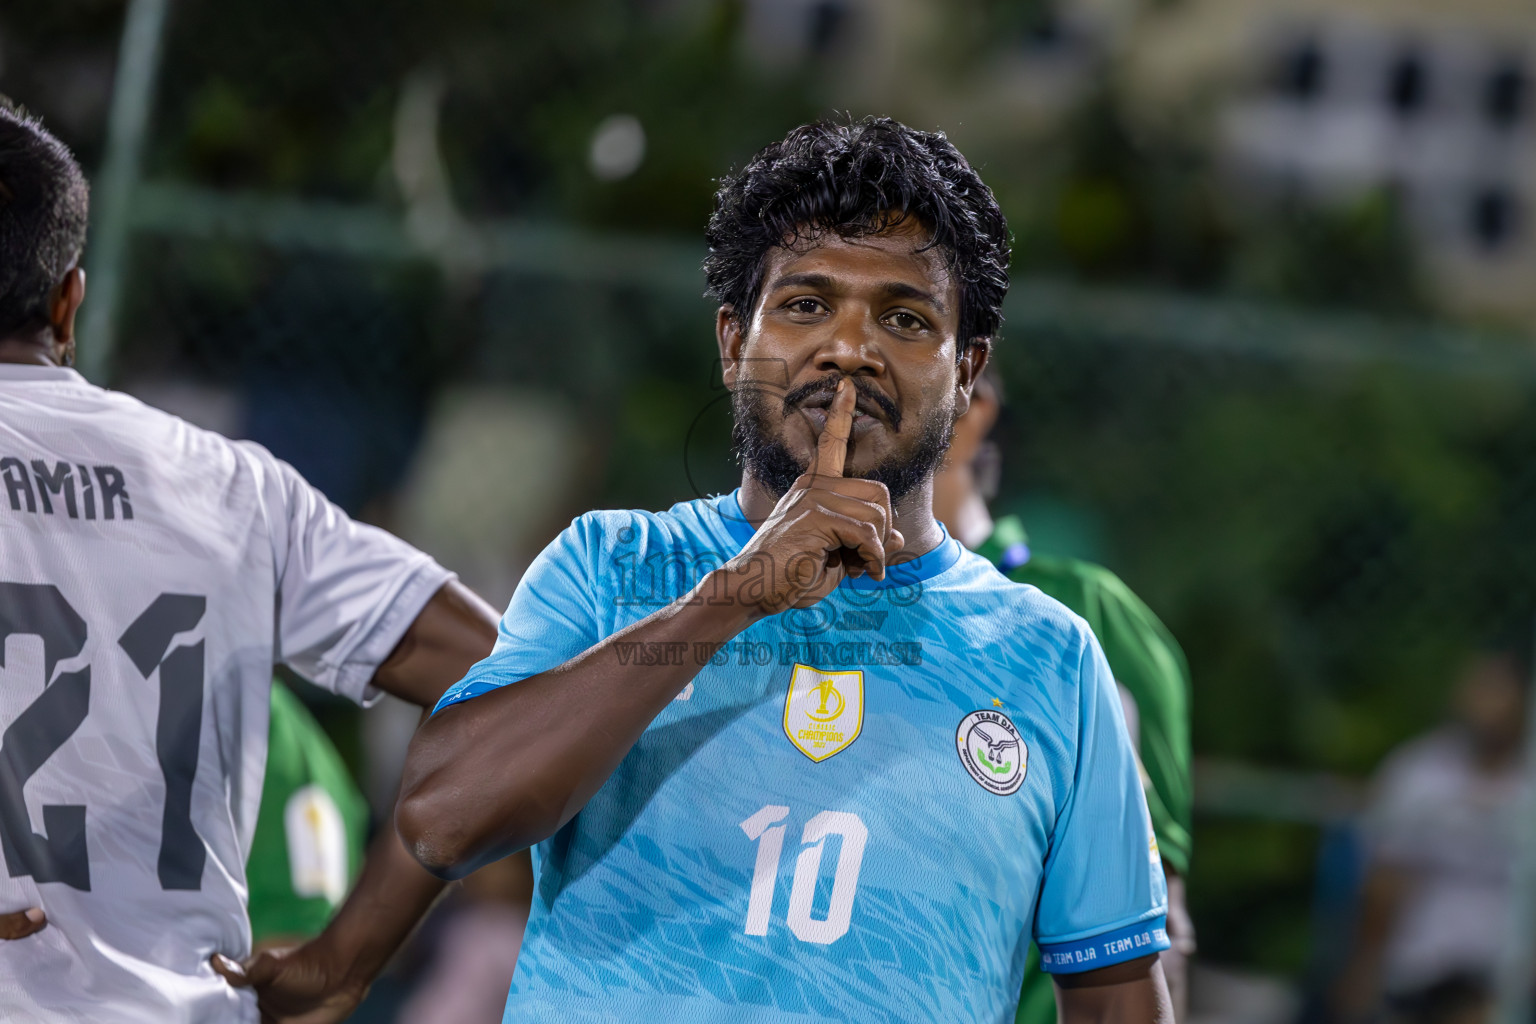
[1439,846]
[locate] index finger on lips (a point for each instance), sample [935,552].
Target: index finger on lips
[832,446]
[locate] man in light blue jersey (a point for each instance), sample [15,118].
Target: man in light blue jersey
[792,753]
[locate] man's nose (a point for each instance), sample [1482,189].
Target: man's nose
[852,345]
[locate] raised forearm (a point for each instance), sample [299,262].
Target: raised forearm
[503,771]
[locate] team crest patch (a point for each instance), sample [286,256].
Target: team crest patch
[823,711]
[991,750]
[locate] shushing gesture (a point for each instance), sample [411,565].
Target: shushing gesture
[826,527]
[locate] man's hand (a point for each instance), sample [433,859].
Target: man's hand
[825,527]
[21,923]
[294,986]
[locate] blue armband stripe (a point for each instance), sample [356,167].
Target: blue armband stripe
[460,692]
[1137,940]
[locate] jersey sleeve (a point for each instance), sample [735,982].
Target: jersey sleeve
[1103,899]
[346,592]
[552,618]
[1148,662]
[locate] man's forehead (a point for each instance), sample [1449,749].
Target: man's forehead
[903,249]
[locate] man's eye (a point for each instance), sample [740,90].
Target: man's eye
[904,321]
[810,307]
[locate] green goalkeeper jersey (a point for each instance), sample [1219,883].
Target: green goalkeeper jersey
[310,830]
[1146,660]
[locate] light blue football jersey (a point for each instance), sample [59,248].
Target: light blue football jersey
[860,811]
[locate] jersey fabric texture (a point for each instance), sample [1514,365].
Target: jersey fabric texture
[310,832]
[1146,660]
[860,811]
[151,574]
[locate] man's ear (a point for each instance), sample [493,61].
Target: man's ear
[968,371]
[63,303]
[731,339]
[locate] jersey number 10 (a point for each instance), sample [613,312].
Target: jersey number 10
[38,609]
[769,837]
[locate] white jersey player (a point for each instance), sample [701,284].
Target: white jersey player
[151,575]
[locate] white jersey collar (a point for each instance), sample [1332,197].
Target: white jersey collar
[30,371]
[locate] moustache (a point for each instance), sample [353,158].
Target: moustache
[868,394]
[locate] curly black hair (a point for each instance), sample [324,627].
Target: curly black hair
[860,178]
[44,205]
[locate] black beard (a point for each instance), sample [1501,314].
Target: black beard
[759,450]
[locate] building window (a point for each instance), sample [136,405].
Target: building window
[1408,84]
[783,34]
[1301,72]
[1493,217]
[825,25]
[1505,94]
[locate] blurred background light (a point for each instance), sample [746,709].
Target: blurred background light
[618,147]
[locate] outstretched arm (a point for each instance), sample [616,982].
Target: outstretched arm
[1130,993]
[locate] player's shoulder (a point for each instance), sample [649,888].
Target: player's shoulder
[637,557]
[217,481]
[699,526]
[171,443]
[1017,616]
[1095,591]
[1077,574]
[973,575]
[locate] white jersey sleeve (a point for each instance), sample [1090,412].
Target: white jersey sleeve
[347,591]
[151,575]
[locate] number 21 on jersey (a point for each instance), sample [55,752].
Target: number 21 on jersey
[763,828]
[40,610]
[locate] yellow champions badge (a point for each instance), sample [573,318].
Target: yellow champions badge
[824,711]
